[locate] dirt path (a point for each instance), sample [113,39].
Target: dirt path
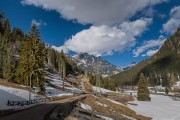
[38,112]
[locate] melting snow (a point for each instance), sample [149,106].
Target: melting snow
[13,94]
[100,104]
[85,106]
[159,108]
[103,90]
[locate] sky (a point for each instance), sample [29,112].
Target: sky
[119,31]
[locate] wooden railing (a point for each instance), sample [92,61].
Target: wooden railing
[22,103]
[94,115]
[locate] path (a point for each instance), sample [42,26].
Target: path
[38,112]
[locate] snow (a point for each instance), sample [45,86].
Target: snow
[52,92]
[85,106]
[115,102]
[83,61]
[177,84]
[92,60]
[129,92]
[13,94]
[103,90]
[74,90]
[128,117]
[159,108]
[100,104]
[56,80]
[104,118]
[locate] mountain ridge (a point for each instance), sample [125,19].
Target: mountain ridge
[93,64]
[165,61]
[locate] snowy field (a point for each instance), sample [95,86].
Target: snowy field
[159,108]
[56,80]
[102,90]
[53,92]
[13,94]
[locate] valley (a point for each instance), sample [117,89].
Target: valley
[62,60]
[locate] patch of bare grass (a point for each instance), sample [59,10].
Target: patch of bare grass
[112,108]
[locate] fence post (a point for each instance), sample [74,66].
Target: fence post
[77,113]
[92,115]
[8,103]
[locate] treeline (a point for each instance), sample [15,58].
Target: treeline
[60,62]
[23,56]
[98,80]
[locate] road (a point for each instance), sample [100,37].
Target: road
[38,112]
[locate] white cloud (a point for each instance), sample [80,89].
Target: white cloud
[104,40]
[38,23]
[97,12]
[174,22]
[150,52]
[149,45]
[65,50]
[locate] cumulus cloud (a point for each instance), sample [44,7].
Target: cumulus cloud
[97,12]
[39,23]
[104,40]
[150,52]
[174,22]
[150,44]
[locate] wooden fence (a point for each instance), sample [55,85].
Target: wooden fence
[94,115]
[22,103]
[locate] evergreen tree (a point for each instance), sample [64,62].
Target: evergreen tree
[166,90]
[143,92]
[172,80]
[8,65]
[1,23]
[31,60]
[37,55]
[7,30]
[25,66]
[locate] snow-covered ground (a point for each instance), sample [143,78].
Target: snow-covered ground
[13,94]
[159,108]
[53,92]
[102,90]
[56,80]
[85,106]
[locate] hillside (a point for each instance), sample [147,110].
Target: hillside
[24,57]
[163,65]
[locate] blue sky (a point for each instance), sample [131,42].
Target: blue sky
[119,31]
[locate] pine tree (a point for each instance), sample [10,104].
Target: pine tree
[166,90]
[25,67]
[38,55]
[1,23]
[143,92]
[31,60]
[8,65]
[7,29]
[172,80]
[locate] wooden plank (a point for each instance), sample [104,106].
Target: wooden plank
[88,112]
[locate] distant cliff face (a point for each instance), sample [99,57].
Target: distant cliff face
[92,64]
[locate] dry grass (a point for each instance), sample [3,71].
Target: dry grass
[9,84]
[70,118]
[112,108]
[122,98]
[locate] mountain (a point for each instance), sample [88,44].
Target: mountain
[129,66]
[91,63]
[163,65]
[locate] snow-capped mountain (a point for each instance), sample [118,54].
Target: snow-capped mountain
[94,64]
[130,66]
